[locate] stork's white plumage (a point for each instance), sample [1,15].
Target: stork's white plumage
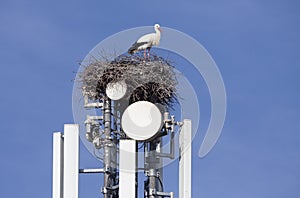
[146,42]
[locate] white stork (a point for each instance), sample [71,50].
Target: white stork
[146,42]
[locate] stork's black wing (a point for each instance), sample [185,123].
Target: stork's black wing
[135,47]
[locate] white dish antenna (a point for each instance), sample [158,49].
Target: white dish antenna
[117,90]
[141,120]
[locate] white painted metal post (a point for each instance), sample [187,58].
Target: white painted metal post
[185,165]
[57,166]
[71,160]
[127,169]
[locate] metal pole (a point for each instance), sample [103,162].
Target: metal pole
[107,146]
[152,183]
[160,165]
[152,162]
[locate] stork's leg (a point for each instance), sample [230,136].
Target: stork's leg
[145,57]
[149,53]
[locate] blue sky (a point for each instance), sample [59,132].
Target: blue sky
[255,44]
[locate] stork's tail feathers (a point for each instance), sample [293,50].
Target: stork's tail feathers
[135,47]
[132,50]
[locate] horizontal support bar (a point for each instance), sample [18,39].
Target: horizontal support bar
[165,155]
[95,170]
[165,194]
[94,105]
[94,117]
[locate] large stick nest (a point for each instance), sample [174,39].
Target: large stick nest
[152,80]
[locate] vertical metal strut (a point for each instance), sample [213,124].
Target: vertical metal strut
[107,147]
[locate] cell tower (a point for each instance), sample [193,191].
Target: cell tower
[131,98]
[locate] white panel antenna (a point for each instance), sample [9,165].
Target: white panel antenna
[127,169]
[66,162]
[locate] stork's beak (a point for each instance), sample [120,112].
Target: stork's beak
[160,29]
